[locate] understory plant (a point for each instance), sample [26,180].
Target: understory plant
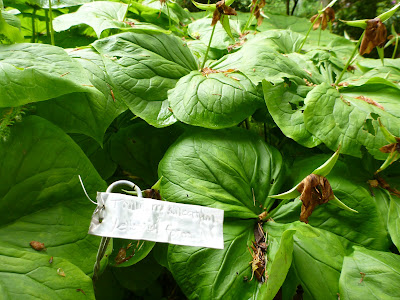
[290,131]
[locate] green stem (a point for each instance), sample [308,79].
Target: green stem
[247,123]
[273,212]
[250,19]
[350,59]
[51,24]
[208,47]
[46,14]
[33,26]
[308,32]
[169,18]
[127,9]
[206,12]
[395,47]
[319,36]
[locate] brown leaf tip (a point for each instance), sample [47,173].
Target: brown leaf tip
[315,190]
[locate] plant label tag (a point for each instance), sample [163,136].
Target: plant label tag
[130,217]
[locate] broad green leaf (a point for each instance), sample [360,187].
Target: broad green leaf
[41,192]
[174,11]
[107,287]
[285,103]
[317,262]
[99,15]
[99,156]
[54,3]
[143,67]
[280,249]
[8,32]
[201,30]
[86,113]
[140,276]
[138,149]
[348,119]
[257,61]
[298,25]
[283,41]
[199,49]
[394,220]
[368,274]
[216,100]
[30,275]
[226,274]
[221,169]
[37,72]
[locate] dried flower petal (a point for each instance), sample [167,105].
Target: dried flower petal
[375,36]
[391,147]
[222,9]
[326,16]
[315,190]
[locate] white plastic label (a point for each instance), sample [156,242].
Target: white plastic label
[134,218]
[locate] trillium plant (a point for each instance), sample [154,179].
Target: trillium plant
[291,131]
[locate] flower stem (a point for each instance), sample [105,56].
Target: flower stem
[395,47]
[33,26]
[51,24]
[319,36]
[308,32]
[250,18]
[273,212]
[169,17]
[208,47]
[127,9]
[350,59]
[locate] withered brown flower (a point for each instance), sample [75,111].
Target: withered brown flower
[375,36]
[256,9]
[315,190]
[328,15]
[222,9]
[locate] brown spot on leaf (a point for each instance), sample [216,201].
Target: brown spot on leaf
[370,101]
[375,36]
[51,260]
[207,71]
[38,246]
[80,290]
[315,190]
[362,276]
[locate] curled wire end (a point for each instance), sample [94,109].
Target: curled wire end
[83,187]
